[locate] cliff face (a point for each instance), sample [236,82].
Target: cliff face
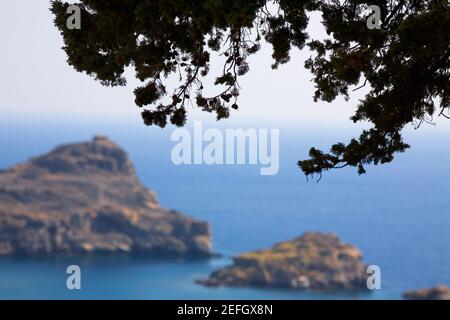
[314,261]
[86,197]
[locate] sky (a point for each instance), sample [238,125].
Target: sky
[37,82]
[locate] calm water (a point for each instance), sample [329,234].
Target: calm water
[398,215]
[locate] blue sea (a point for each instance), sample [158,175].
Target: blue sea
[398,214]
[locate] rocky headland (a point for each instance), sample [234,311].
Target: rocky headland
[86,198]
[314,261]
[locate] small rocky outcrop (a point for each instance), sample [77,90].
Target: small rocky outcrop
[86,197]
[313,261]
[440,292]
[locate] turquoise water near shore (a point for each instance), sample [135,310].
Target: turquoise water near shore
[398,215]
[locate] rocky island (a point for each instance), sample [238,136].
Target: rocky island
[314,261]
[86,198]
[440,292]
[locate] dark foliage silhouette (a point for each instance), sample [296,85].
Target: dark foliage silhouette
[405,64]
